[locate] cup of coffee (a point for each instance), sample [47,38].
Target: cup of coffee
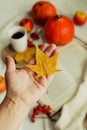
[18,36]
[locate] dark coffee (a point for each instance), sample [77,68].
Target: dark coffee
[17,35]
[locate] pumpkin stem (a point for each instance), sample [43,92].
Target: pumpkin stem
[41,4]
[58,16]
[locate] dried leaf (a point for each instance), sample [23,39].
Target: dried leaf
[24,56]
[44,65]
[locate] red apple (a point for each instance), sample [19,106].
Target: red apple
[27,24]
[80,18]
[2,84]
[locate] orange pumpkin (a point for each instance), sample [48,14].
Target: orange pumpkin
[59,30]
[42,11]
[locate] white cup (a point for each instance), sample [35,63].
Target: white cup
[18,36]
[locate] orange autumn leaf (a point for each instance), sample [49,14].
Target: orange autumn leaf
[44,65]
[24,56]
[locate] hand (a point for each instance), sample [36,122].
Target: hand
[22,83]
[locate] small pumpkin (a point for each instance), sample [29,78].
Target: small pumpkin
[59,30]
[42,11]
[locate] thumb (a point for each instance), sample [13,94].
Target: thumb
[11,67]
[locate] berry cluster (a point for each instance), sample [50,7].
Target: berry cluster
[30,44]
[34,36]
[40,109]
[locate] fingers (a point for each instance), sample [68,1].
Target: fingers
[32,61]
[43,48]
[54,52]
[11,67]
[50,49]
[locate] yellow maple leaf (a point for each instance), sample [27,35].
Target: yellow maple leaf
[24,56]
[44,65]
